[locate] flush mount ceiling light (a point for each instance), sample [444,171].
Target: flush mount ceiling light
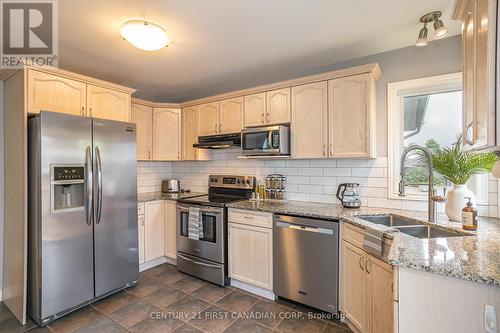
[439,28]
[144,35]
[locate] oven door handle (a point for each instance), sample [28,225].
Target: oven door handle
[202,210]
[197,262]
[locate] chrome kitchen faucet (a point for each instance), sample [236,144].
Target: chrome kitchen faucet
[432,198]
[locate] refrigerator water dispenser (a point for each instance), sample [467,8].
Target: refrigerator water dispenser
[67,187]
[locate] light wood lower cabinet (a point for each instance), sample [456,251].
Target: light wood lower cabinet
[166,134]
[107,103]
[170,229]
[250,250]
[141,234]
[355,286]
[367,288]
[154,232]
[53,93]
[142,117]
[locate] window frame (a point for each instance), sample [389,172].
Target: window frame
[396,91]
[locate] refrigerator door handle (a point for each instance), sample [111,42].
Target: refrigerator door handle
[88,185]
[99,185]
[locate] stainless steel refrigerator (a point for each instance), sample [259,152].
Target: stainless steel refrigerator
[82,212]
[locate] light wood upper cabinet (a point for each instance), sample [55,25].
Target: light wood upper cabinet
[351,116]
[108,104]
[255,109]
[170,229]
[166,134]
[154,230]
[231,115]
[278,106]
[208,119]
[189,133]
[53,93]
[478,70]
[142,117]
[310,120]
[355,286]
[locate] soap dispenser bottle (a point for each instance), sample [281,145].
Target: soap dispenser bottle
[469,217]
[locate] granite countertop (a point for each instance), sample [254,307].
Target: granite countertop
[474,257]
[152,196]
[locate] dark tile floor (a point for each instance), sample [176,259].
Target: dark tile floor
[166,300]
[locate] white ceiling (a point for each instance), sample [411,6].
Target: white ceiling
[223,45]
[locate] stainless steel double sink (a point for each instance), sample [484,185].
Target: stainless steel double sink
[410,227]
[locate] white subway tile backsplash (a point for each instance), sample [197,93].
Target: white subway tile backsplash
[337,172]
[368,172]
[307,180]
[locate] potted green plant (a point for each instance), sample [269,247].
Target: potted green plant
[458,166]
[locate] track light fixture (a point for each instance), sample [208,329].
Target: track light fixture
[439,28]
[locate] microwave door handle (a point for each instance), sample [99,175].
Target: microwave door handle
[270,140]
[88,185]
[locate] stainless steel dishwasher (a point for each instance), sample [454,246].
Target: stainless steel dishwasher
[306,261]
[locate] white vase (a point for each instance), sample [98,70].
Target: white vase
[457,201]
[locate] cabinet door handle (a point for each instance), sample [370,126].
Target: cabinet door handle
[366,266]
[360,264]
[324,149]
[262,117]
[466,136]
[90,110]
[331,150]
[178,155]
[149,154]
[83,110]
[215,128]
[220,128]
[267,118]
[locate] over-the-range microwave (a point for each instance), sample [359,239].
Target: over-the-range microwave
[266,141]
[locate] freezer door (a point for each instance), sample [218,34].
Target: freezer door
[115,201]
[65,245]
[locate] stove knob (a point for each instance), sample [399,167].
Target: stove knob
[238,181]
[248,181]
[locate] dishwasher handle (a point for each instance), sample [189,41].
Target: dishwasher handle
[281,224]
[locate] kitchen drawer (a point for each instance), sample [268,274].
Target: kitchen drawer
[253,218]
[353,235]
[140,208]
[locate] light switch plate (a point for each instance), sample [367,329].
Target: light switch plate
[490,319]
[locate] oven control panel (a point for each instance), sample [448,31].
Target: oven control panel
[241,182]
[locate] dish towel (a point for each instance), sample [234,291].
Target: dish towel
[194,220]
[373,241]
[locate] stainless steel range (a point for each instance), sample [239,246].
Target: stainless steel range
[202,227]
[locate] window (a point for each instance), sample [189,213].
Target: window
[425,112]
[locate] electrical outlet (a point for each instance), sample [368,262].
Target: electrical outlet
[490,319]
